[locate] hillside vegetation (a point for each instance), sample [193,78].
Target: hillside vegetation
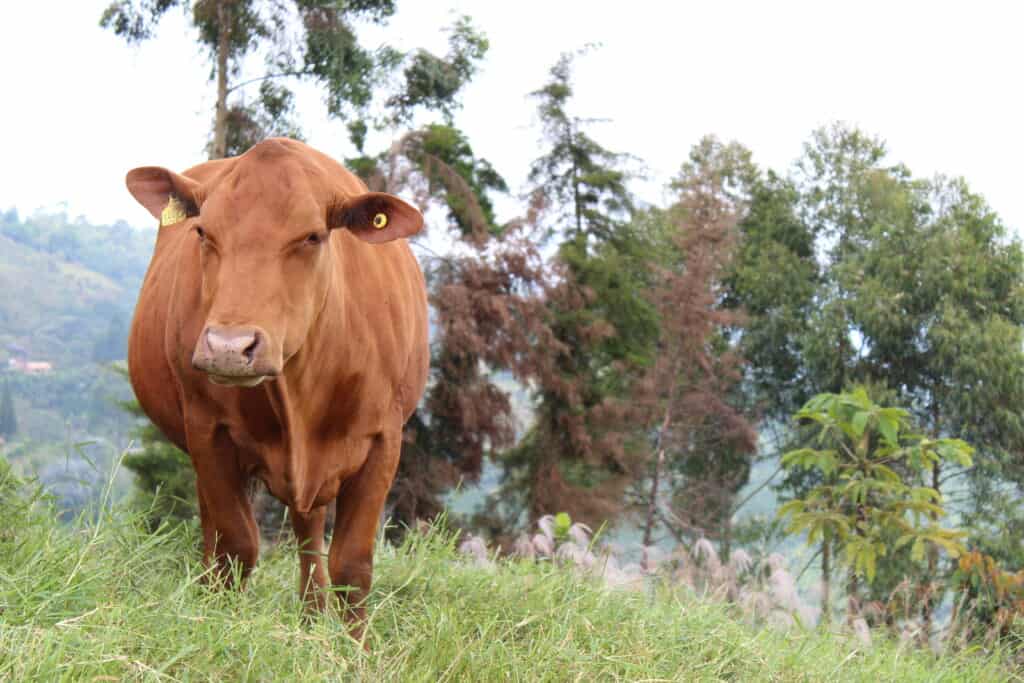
[108,601]
[69,292]
[75,287]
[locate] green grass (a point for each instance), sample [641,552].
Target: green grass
[110,602]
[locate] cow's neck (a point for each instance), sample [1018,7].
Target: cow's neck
[315,401]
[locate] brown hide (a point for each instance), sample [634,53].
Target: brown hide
[280,244]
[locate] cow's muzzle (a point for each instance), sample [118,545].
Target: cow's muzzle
[237,355]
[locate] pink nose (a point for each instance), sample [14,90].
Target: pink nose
[237,351]
[233,341]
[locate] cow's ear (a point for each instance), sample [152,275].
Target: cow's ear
[167,195]
[376,217]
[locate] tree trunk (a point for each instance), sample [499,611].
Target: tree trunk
[220,125]
[826,570]
[927,584]
[927,590]
[652,503]
[577,204]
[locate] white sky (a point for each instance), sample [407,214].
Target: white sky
[941,82]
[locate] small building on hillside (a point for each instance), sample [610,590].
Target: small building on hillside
[30,367]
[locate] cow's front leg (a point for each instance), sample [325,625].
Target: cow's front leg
[359,506]
[309,532]
[230,534]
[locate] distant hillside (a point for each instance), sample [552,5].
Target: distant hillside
[68,292]
[73,287]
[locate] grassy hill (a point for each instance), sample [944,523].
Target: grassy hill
[72,286]
[69,290]
[110,602]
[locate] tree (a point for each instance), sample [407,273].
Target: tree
[773,279]
[704,438]
[483,314]
[583,450]
[854,272]
[8,416]
[582,183]
[924,296]
[165,483]
[305,40]
[113,345]
[872,498]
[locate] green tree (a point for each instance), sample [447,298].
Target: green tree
[853,271]
[113,345]
[872,498]
[8,416]
[306,40]
[924,295]
[582,183]
[165,484]
[584,448]
[773,278]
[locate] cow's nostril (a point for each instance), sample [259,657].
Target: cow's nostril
[250,350]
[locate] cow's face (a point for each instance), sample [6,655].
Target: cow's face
[265,248]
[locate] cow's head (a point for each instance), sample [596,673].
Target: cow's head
[263,228]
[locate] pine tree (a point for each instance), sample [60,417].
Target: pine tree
[165,485]
[578,456]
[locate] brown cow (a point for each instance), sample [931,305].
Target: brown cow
[281,333]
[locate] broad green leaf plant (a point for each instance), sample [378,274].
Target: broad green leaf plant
[871,500]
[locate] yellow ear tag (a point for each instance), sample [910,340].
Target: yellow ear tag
[380,221]
[173,213]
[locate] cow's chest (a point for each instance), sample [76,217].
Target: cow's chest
[302,461]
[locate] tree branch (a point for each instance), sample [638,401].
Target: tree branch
[806,566]
[267,77]
[756,491]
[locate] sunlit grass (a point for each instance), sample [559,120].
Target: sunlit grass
[111,602]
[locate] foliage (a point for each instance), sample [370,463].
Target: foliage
[311,41]
[871,500]
[112,346]
[704,438]
[601,330]
[117,251]
[112,600]
[165,483]
[990,601]
[773,278]
[924,289]
[83,278]
[582,183]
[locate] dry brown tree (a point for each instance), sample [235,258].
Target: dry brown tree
[703,437]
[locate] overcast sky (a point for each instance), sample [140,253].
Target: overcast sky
[941,82]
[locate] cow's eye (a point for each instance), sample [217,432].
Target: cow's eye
[201,234]
[314,238]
